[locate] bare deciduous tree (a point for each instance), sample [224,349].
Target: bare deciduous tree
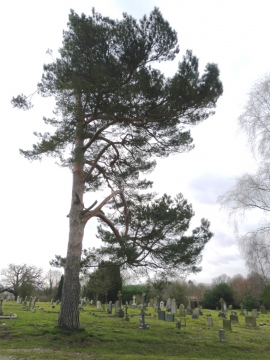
[252,191]
[21,279]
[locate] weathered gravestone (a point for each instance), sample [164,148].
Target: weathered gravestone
[161,315]
[196,313]
[98,304]
[169,304]
[222,315]
[161,304]
[250,321]
[170,317]
[221,334]
[33,305]
[227,324]
[182,310]
[189,310]
[234,319]
[116,307]
[254,312]
[173,306]
[109,311]
[209,322]
[245,312]
[263,309]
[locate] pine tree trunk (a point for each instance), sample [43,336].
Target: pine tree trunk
[69,312]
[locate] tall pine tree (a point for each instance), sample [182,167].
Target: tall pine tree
[114,115]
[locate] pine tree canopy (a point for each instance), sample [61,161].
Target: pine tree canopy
[115,114]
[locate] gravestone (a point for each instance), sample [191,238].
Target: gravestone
[169,304]
[173,306]
[182,311]
[254,312]
[227,324]
[263,309]
[245,312]
[234,319]
[196,313]
[250,321]
[33,304]
[170,317]
[221,334]
[222,315]
[18,299]
[161,315]
[209,321]
[98,304]
[189,310]
[161,304]
[116,306]
[134,301]
[178,324]
[110,307]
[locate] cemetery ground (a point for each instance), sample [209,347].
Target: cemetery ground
[33,335]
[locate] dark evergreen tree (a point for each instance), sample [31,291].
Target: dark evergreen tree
[211,298]
[114,115]
[104,283]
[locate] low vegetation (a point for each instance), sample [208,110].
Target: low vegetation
[34,336]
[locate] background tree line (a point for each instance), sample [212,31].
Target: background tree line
[108,279]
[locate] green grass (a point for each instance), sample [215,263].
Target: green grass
[34,336]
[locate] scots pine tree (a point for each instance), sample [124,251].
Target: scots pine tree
[115,114]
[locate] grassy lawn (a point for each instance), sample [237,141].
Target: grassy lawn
[34,336]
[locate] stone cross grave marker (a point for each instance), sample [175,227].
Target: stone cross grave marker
[143,324]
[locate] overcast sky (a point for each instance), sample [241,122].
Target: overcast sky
[36,196]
